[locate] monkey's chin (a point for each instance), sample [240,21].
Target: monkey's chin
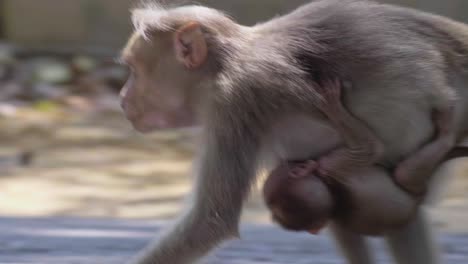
[144,129]
[147,123]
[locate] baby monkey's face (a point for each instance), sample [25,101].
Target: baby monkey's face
[298,202]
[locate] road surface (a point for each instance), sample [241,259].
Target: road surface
[86,241]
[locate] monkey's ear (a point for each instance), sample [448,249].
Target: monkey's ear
[190,45]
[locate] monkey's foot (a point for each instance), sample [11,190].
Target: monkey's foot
[303,169]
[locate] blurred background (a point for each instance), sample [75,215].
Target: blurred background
[67,150]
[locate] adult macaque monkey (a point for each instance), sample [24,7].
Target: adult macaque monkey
[252,89]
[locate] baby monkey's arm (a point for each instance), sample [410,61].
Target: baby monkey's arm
[361,147]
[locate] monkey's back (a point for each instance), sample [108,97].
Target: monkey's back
[396,59]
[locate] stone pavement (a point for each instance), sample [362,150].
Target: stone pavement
[86,241]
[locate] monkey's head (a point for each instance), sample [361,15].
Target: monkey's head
[172,57]
[298,204]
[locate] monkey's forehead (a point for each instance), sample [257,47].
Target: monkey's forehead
[140,49]
[128,52]
[157,17]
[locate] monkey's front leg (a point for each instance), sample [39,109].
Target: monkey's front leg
[413,173]
[224,180]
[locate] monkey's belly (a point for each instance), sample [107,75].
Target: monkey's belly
[299,137]
[402,125]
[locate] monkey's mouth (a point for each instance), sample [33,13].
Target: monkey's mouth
[150,122]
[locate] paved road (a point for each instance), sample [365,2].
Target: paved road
[84,241]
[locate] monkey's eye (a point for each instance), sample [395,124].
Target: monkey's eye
[125,63]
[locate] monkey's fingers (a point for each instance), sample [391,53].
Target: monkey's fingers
[303,169]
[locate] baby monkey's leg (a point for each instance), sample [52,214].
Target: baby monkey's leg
[413,173]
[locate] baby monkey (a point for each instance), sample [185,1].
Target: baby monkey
[346,185]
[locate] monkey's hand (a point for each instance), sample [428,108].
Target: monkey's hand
[335,164]
[302,169]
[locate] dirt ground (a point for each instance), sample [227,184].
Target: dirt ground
[95,165]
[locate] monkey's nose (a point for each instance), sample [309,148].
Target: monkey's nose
[123,92]
[124,98]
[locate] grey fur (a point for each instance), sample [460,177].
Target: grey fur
[402,63]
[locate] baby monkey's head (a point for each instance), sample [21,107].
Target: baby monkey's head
[298,203]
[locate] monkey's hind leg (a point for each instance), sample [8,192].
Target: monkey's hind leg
[414,243]
[413,173]
[354,247]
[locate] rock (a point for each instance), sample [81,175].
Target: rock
[84,64]
[52,72]
[43,78]
[44,70]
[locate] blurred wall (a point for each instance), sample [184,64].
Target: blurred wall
[2,24]
[67,22]
[105,23]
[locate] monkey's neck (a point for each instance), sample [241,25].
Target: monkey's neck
[257,82]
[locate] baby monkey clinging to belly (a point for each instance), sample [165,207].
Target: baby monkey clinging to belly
[347,185]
